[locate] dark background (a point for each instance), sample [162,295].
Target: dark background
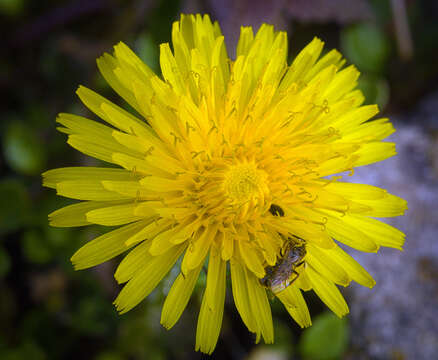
[48,48]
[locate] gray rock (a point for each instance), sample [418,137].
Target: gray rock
[397,318]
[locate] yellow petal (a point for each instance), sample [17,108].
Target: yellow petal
[327,292]
[333,57]
[170,69]
[128,189]
[339,227]
[381,233]
[108,66]
[187,24]
[260,307]
[124,120]
[252,257]
[337,165]
[198,248]
[149,146]
[178,297]
[320,260]
[351,119]
[356,191]
[134,164]
[302,63]
[315,233]
[227,246]
[75,214]
[374,152]
[104,247]
[185,230]
[146,279]
[52,177]
[91,138]
[113,215]
[90,148]
[390,205]
[370,131]
[241,296]
[156,183]
[153,228]
[302,282]
[351,266]
[125,54]
[245,40]
[270,248]
[112,113]
[343,82]
[87,190]
[162,242]
[295,305]
[133,262]
[212,306]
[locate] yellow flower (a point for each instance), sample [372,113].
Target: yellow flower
[230,161]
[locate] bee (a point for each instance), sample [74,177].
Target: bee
[279,276]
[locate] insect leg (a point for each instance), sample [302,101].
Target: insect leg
[296,277]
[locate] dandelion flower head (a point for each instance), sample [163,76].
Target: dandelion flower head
[229,162]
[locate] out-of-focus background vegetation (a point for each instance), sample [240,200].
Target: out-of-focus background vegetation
[49,311]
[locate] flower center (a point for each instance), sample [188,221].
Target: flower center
[245,183]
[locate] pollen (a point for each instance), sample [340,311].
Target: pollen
[245,183]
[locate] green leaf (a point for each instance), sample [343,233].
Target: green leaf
[14,205]
[93,316]
[109,355]
[59,238]
[35,247]
[5,262]
[366,46]
[326,339]
[375,89]
[11,7]
[23,151]
[28,350]
[147,50]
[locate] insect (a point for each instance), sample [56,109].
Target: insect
[279,276]
[276,210]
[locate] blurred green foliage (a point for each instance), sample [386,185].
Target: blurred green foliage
[23,151]
[49,311]
[5,262]
[15,205]
[367,46]
[11,7]
[326,339]
[35,247]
